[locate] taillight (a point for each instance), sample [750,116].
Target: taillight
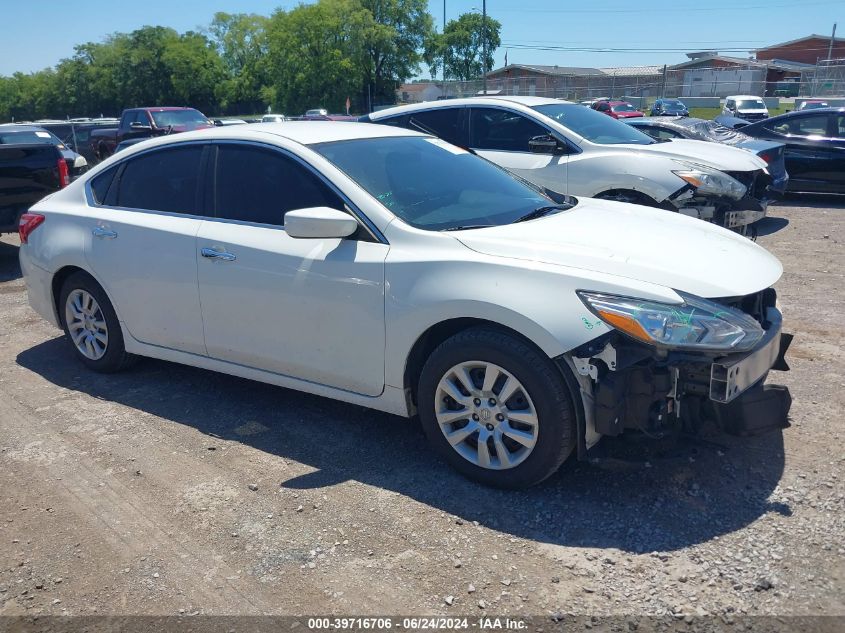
[767,157]
[29,222]
[64,174]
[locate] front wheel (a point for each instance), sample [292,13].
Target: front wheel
[496,408]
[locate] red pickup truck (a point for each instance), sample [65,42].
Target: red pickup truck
[140,123]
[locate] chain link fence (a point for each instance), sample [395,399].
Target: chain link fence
[827,79]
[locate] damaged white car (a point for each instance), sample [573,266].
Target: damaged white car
[575,150]
[389,269]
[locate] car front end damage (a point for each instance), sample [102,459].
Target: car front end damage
[734,200]
[662,390]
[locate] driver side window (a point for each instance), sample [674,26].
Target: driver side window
[261,185]
[494,129]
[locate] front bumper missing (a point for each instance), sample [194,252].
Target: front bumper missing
[731,377]
[631,389]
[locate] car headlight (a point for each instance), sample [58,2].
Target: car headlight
[695,324]
[711,181]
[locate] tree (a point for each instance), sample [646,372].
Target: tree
[241,41]
[316,54]
[394,45]
[461,46]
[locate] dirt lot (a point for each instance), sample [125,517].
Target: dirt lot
[170,490]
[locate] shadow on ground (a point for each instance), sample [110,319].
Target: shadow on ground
[10,267]
[700,493]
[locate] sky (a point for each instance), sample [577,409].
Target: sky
[37,35]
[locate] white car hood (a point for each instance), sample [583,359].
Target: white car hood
[636,242]
[715,155]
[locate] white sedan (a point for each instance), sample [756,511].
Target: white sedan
[389,269]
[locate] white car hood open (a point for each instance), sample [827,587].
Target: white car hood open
[715,155]
[636,242]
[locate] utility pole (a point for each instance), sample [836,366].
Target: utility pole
[444,48]
[832,38]
[484,42]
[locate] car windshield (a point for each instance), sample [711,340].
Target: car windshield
[593,126]
[673,105]
[431,184]
[179,117]
[28,137]
[623,107]
[750,104]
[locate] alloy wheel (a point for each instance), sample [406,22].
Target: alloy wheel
[86,324]
[486,415]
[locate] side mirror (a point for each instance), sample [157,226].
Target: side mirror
[544,144]
[319,223]
[139,126]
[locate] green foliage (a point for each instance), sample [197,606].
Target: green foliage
[461,47]
[314,55]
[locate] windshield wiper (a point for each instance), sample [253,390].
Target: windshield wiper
[467,227]
[539,212]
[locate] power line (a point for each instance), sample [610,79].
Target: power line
[709,9]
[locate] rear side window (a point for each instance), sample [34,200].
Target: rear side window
[443,122]
[502,130]
[261,185]
[162,180]
[100,185]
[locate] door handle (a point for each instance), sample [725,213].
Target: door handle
[222,255]
[104,233]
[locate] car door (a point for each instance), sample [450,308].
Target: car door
[810,153]
[503,136]
[837,151]
[307,308]
[141,244]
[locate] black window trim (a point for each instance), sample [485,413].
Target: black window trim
[121,167]
[203,194]
[571,148]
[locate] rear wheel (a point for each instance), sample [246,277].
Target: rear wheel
[496,408]
[91,325]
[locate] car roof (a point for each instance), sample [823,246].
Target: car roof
[744,97]
[451,103]
[801,113]
[18,127]
[302,132]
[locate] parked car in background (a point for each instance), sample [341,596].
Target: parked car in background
[17,134]
[815,147]
[668,128]
[221,122]
[75,132]
[578,151]
[144,123]
[731,122]
[28,172]
[617,109]
[273,118]
[387,268]
[746,107]
[669,107]
[316,112]
[811,104]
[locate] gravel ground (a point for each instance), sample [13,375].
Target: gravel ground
[170,490]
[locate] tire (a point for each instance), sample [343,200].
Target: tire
[541,392]
[101,326]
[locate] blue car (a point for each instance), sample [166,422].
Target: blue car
[669,107]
